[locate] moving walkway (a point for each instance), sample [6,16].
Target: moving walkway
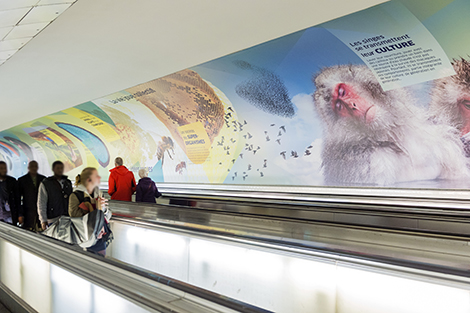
[39,274]
[296,265]
[209,259]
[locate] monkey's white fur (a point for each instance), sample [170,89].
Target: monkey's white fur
[398,145]
[445,96]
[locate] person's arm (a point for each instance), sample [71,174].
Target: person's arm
[20,202]
[134,185]
[111,185]
[138,193]
[14,205]
[75,209]
[42,205]
[157,193]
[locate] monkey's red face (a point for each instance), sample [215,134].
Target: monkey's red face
[464,107]
[347,103]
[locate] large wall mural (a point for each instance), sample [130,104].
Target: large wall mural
[376,98]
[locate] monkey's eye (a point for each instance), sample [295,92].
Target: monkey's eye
[341,91]
[466,104]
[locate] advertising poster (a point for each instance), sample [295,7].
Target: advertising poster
[380,98]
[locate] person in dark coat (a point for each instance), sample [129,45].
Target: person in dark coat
[53,197]
[9,200]
[28,186]
[146,190]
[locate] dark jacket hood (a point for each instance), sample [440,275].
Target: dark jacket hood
[146,181]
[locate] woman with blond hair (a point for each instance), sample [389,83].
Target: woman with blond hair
[87,198]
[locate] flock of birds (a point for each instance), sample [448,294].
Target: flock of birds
[253,148]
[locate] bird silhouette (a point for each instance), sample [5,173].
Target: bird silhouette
[307,152]
[273,125]
[283,153]
[278,141]
[267,138]
[283,128]
[249,135]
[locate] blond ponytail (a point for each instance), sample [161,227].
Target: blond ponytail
[84,176]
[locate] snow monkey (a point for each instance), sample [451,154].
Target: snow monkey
[450,101]
[373,137]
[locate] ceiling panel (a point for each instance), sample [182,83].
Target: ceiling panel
[45,13]
[22,31]
[22,20]
[46,2]
[4,31]
[15,4]
[11,17]
[4,55]
[13,44]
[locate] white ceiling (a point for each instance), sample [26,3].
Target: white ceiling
[21,20]
[97,47]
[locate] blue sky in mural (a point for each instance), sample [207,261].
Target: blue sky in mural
[295,59]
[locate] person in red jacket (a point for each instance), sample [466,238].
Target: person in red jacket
[121,182]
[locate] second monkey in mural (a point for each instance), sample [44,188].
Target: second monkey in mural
[381,138]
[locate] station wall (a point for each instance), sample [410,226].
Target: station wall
[376,98]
